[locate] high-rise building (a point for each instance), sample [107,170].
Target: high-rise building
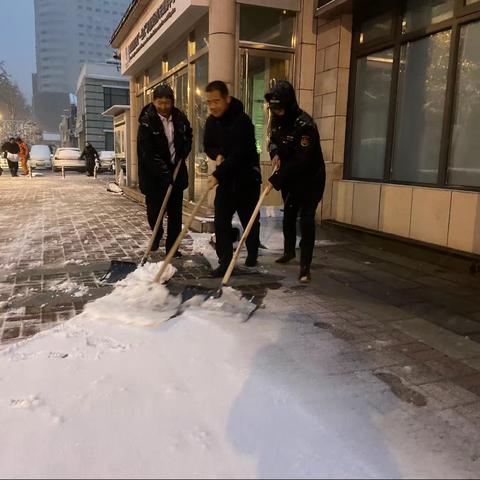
[68,34]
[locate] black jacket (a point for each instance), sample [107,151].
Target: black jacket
[89,153]
[154,162]
[10,147]
[233,137]
[295,139]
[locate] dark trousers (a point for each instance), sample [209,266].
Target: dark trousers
[226,204]
[154,200]
[13,166]
[90,164]
[304,207]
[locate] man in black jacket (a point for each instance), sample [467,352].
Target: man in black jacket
[164,139]
[10,151]
[295,150]
[230,142]
[89,154]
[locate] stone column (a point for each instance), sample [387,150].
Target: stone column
[222,48]
[334,40]
[133,160]
[305,56]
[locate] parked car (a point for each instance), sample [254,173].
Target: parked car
[107,160]
[69,158]
[40,156]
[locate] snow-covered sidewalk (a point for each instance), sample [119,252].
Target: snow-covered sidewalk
[119,393]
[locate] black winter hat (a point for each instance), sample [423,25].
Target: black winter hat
[282,95]
[163,91]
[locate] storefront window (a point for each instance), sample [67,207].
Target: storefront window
[420,108]
[375,28]
[267,25]
[178,54]
[422,13]
[260,70]
[417,120]
[201,34]
[202,165]
[372,102]
[464,166]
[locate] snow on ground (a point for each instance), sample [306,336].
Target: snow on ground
[118,392]
[68,286]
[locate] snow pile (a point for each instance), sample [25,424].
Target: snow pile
[68,286]
[199,396]
[136,300]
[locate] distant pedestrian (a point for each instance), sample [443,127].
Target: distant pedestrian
[23,155]
[10,151]
[90,154]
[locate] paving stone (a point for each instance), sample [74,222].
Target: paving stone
[448,394]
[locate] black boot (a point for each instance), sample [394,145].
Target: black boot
[219,272]
[287,256]
[305,275]
[251,261]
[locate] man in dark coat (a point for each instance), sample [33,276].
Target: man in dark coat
[164,139]
[10,151]
[295,150]
[230,142]
[90,154]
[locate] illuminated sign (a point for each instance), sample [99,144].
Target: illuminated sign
[158,19]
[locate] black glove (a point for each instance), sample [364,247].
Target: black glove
[276,180]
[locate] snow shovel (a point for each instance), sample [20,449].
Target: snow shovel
[120,269]
[243,305]
[181,236]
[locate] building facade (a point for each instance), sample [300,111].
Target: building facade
[392,84]
[401,137]
[187,43]
[68,33]
[99,87]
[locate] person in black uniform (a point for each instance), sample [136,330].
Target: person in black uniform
[296,152]
[89,154]
[230,141]
[164,139]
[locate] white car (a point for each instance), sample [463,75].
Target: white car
[40,157]
[69,158]
[107,159]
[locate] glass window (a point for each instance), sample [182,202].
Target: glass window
[423,13]
[372,102]
[115,96]
[177,55]
[464,166]
[201,34]
[202,165]
[377,27]
[267,25]
[109,141]
[420,108]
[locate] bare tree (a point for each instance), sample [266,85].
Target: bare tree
[13,105]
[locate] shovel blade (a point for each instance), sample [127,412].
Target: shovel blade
[226,299]
[118,271]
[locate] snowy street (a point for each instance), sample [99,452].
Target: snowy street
[372,371]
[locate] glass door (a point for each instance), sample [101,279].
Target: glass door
[259,71]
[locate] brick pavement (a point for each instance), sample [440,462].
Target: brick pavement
[56,241]
[408,315]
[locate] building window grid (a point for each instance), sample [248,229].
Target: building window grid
[464,14]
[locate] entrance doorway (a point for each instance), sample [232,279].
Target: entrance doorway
[260,69]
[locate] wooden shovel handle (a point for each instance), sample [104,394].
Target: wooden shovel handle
[246,233]
[181,236]
[159,221]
